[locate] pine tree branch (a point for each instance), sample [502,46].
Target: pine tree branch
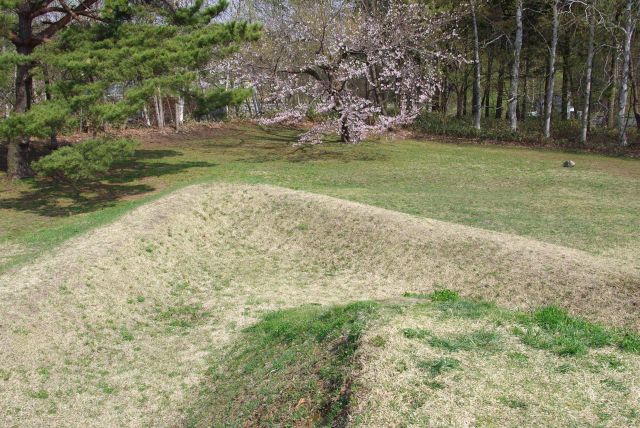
[53,28]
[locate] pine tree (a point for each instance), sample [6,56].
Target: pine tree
[114,57]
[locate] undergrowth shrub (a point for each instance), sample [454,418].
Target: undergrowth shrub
[564,132]
[85,162]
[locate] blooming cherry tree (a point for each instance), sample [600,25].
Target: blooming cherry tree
[341,63]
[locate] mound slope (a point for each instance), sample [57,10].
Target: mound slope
[116,327]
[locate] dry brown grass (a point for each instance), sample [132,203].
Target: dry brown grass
[9,250]
[115,327]
[512,386]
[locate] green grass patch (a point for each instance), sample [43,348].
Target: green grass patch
[444,296]
[552,328]
[435,367]
[40,394]
[293,368]
[514,403]
[483,340]
[465,308]
[416,333]
[126,335]
[183,315]
[486,340]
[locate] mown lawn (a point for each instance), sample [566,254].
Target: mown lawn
[592,207]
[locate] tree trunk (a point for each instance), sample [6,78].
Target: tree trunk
[256,104]
[180,112]
[446,95]
[53,138]
[500,89]
[566,73]
[634,93]
[624,77]
[376,90]
[18,150]
[525,90]
[345,136]
[18,160]
[587,90]
[515,70]
[548,108]
[460,100]
[487,89]
[159,109]
[145,115]
[465,102]
[611,104]
[477,111]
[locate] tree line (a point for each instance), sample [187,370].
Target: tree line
[562,59]
[352,68]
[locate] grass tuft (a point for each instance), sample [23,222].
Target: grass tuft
[478,340]
[444,296]
[464,308]
[437,366]
[40,394]
[630,342]
[416,333]
[514,403]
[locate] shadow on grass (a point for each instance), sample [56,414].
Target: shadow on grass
[278,145]
[55,199]
[331,151]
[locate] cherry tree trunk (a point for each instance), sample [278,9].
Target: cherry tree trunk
[548,103]
[345,136]
[515,70]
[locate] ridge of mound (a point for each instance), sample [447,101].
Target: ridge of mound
[115,327]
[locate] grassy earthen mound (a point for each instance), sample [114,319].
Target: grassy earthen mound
[116,327]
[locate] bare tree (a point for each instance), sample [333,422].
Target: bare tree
[477,111]
[548,104]
[630,12]
[587,91]
[515,71]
